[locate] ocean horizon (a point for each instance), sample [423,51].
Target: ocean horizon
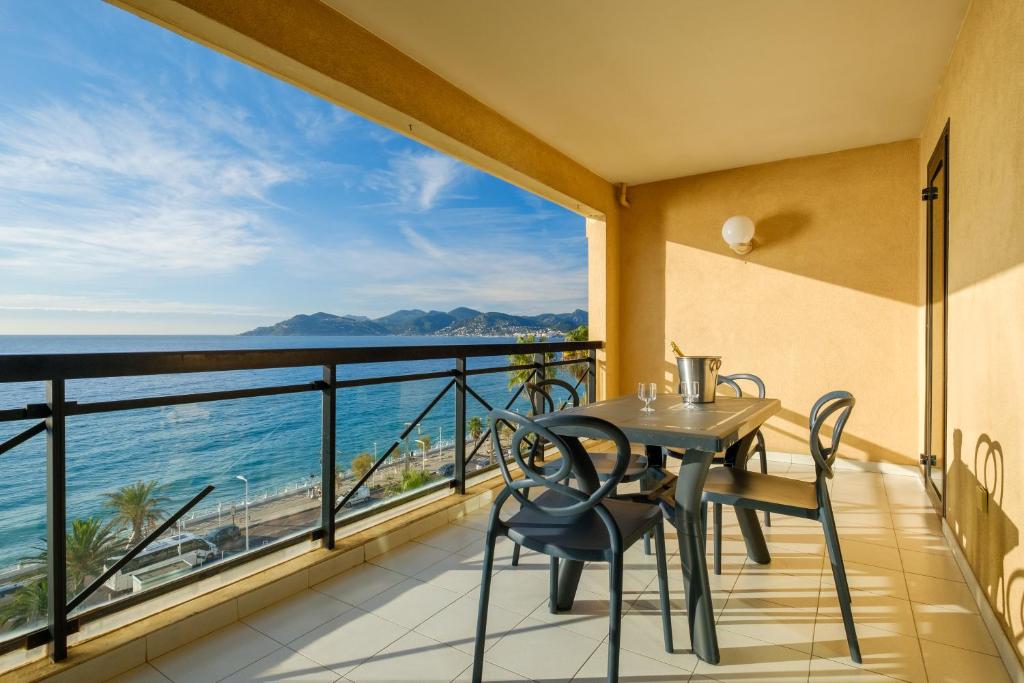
[272,441]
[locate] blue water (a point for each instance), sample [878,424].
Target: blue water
[272,441]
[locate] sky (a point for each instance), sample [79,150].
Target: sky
[150,185]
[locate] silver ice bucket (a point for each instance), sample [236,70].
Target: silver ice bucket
[698,377]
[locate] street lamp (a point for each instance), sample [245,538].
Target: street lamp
[246,510]
[423,445]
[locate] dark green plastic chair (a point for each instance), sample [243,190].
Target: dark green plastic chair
[578,521]
[757,448]
[739,487]
[542,401]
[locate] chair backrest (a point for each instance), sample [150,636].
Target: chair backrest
[839,404]
[732,381]
[542,399]
[575,464]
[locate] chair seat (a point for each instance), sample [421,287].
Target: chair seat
[582,537]
[604,463]
[733,486]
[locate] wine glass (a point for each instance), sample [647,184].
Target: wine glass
[647,392]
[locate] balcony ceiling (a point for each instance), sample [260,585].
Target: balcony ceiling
[643,91]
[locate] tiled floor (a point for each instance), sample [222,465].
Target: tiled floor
[409,615]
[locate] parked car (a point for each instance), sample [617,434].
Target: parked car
[223,535]
[361,496]
[447,470]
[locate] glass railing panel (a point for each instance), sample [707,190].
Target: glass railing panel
[129,471]
[371,422]
[23,603]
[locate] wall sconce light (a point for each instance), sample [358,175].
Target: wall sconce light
[738,232]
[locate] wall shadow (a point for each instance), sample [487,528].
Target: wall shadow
[992,535]
[848,218]
[777,229]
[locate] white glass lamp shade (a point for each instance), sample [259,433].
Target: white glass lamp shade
[738,232]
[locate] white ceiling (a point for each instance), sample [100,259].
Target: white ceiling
[642,90]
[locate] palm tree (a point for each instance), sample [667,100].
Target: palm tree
[91,544]
[413,479]
[517,377]
[136,507]
[475,425]
[27,606]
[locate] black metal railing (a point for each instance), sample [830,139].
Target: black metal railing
[54,370]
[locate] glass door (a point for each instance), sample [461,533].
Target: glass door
[936,194]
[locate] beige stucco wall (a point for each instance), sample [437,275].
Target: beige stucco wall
[314,47]
[827,300]
[982,96]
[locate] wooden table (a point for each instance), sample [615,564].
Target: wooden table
[698,432]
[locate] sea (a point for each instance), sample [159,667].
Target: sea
[274,442]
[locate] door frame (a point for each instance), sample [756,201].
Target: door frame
[939,155]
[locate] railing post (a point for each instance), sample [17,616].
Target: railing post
[460,425]
[592,375]
[328,441]
[56,520]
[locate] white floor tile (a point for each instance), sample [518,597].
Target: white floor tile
[951,595]
[744,658]
[542,651]
[455,625]
[413,657]
[769,622]
[283,665]
[947,664]
[301,613]
[632,667]
[454,539]
[588,617]
[492,673]
[863,577]
[859,552]
[141,674]
[344,643]
[216,655]
[410,603]
[880,611]
[359,584]
[883,652]
[642,634]
[939,565]
[964,630]
[410,558]
[455,573]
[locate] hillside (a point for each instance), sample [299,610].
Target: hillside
[415,322]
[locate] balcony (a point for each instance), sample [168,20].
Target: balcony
[388,590]
[827,196]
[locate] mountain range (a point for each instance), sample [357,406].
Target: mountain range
[458,322]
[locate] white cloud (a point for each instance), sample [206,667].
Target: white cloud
[419,242]
[109,304]
[418,180]
[129,186]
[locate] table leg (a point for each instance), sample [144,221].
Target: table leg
[650,478]
[570,571]
[569,574]
[699,609]
[750,527]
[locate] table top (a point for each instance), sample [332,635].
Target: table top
[711,427]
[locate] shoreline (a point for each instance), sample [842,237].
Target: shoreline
[274,516]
